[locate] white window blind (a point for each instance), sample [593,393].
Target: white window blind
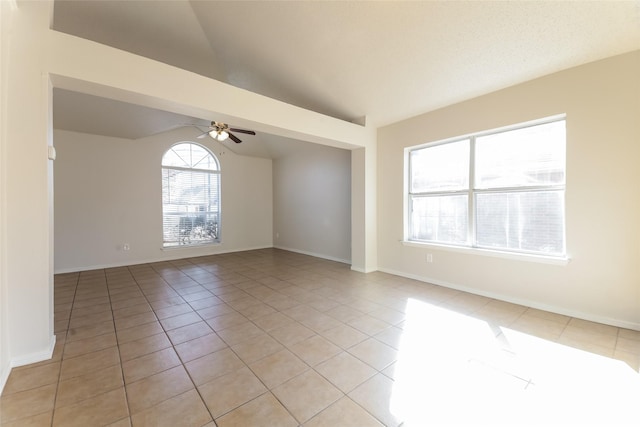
[500,190]
[190,196]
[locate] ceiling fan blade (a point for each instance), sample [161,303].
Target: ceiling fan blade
[234,138]
[248,132]
[202,135]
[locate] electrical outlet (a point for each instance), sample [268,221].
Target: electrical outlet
[126,247]
[429,257]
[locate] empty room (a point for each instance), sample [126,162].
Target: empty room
[312,213]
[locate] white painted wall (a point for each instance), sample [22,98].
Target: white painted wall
[108,192]
[26,277]
[602,280]
[312,202]
[5,364]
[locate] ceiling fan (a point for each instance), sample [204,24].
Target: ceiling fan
[221,131]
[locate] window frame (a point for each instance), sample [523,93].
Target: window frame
[166,245]
[471,245]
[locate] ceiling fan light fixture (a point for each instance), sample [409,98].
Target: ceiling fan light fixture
[219,134]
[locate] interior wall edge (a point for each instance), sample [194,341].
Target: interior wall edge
[621,323]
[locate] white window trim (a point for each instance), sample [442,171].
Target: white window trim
[470,249]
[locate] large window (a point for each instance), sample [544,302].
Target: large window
[501,190]
[190,196]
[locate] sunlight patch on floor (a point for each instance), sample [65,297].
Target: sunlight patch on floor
[456,369]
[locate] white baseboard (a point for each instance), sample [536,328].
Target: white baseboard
[621,323]
[178,255]
[26,360]
[4,376]
[35,357]
[314,254]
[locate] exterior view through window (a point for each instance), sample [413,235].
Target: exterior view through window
[501,190]
[190,196]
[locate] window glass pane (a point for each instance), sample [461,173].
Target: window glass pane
[529,156]
[440,168]
[441,219]
[190,197]
[189,156]
[531,221]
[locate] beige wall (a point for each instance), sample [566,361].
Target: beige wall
[312,202]
[108,192]
[602,280]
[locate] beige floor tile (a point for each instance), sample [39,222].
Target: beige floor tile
[89,345]
[368,324]
[156,388]
[89,362]
[272,321]
[374,353]
[143,346]
[315,350]
[291,334]
[255,311]
[237,334]
[173,310]
[262,411]
[39,420]
[131,310]
[90,319]
[135,320]
[628,345]
[593,327]
[629,334]
[345,371]
[375,396]
[278,368]
[138,332]
[199,347]
[180,320]
[84,332]
[128,302]
[226,321]
[100,410]
[344,313]
[306,395]
[538,326]
[239,387]
[213,365]
[91,384]
[27,403]
[345,413]
[256,348]
[185,410]
[189,332]
[391,336]
[547,315]
[29,377]
[201,304]
[149,364]
[214,311]
[344,336]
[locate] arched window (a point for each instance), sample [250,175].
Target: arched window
[190,196]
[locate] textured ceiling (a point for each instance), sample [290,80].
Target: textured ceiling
[386,60]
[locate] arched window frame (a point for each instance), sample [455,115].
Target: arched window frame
[190,196]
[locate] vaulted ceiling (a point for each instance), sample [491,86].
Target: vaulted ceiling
[386,60]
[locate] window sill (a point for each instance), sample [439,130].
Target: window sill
[194,246]
[562,261]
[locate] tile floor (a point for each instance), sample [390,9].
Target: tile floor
[273,338]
